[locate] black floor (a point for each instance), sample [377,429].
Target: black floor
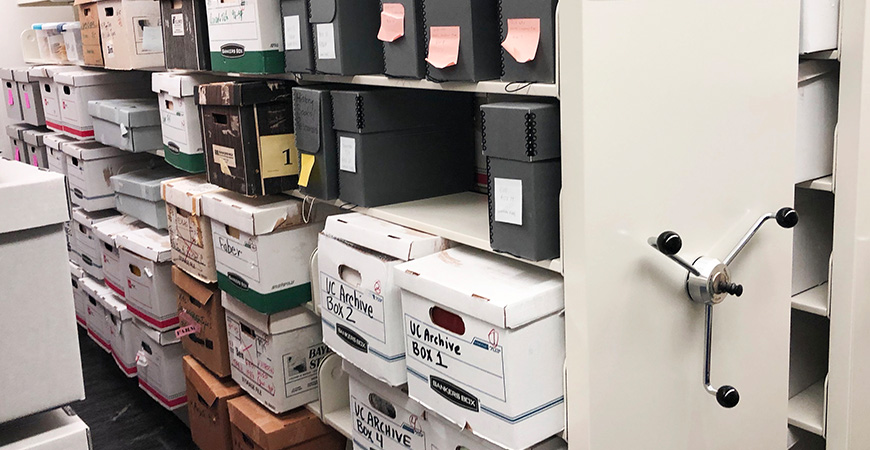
[121,415]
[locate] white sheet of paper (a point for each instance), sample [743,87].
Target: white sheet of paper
[325,41]
[347,154]
[292,33]
[508,201]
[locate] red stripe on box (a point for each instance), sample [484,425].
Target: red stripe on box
[79,133]
[124,368]
[80,320]
[102,343]
[157,323]
[481,178]
[114,288]
[169,403]
[54,126]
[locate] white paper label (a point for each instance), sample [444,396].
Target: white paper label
[508,201]
[325,41]
[224,155]
[347,154]
[152,39]
[377,430]
[178,24]
[362,310]
[292,33]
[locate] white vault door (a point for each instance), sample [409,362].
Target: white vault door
[676,115]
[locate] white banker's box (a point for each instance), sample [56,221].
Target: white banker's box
[54,147]
[87,243]
[445,435]
[159,366]
[58,429]
[123,342]
[77,88]
[44,75]
[274,358]
[80,298]
[150,293]
[361,305]
[90,166]
[189,230]
[98,323]
[114,274]
[486,343]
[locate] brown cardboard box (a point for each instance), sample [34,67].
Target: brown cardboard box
[92,46]
[207,406]
[132,37]
[255,428]
[202,303]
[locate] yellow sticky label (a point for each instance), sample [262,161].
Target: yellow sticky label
[278,156]
[307,166]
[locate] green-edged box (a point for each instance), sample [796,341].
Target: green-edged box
[245,37]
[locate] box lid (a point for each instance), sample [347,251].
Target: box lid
[31,197]
[69,26]
[84,2]
[94,288]
[146,242]
[96,77]
[179,85]
[36,136]
[21,74]
[144,183]
[56,141]
[108,229]
[521,131]
[322,11]
[275,432]
[366,110]
[201,292]
[309,103]
[88,219]
[242,93]
[75,271]
[50,71]
[6,74]
[132,113]
[163,338]
[383,237]
[56,428]
[255,216]
[186,193]
[113,303]
[280,322]
[91,150]
[15,130]
[498,290]
[812,69]
[208,386]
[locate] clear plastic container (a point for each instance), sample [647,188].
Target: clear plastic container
[72,37]
[56,46]
[42,41]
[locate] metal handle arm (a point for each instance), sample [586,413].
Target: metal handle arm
[785,217]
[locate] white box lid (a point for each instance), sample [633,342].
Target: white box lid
[148,243]
[144,183]
[132,113]
[88,219]
[163,338]
[114,304]
[6,74]
[31,197]
[21,74]
[180,85]
[501,291]
[36,136]
[76,271]
[254,216]
[94,288]
[57,428]
[57,141]
[91,150]
[382,236]
[95,77]
[108,229]
[50,71]
[186,193]
[15,130]
[280,322]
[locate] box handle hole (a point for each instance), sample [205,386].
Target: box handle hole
[349,275]
[447,320]
[221,118]
[382,405]
[135,270]
[66,90]
[110,11]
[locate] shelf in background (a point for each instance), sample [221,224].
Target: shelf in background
[820,184]
[340,420]
[807,409]
[824,54]
[462,218]
[488,87]
[813,301]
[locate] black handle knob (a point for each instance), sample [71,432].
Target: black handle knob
[727,396]
[787,217]
[731,288]
[669,243]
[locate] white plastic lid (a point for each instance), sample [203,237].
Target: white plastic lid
[72,26]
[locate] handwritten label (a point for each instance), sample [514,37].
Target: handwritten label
[292,33]
[522,39]
[392,22]
[508,201]
[443,47]
[347,154]
[325,41]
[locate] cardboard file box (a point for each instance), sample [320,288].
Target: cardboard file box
[89,17]
[275,357]
[820,25]
[150,292]
[56,429]
[254,428]
[79,297]
[262,247]
[131,35]
[522,142]
[207,405]
[250,147]
[17,146]
[298,40]
[444,434]
[132,125]
[12,96]
[71,242]
[137,193]
[203,322]
[90,166]
[98,324]
[404,56]
[345,37]
[383,416]
[36,152]
[44,75]
[315,141]
[245,37]
[159,367]
[361,305]
[87,243]
[185,34]
[31,97]
[818,92]
[114,275]
[54,150]
[76,89]
[478,56]
[34,208]
[189,230]
[486,343]
[124,337]
[524,23]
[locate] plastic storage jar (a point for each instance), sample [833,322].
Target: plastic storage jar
[42,41]
[56,45]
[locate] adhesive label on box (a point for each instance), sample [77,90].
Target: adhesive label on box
[178,24]
[69,111]
[239,255]
[325,41]
[292,33]
[347,154]
[508,201]
[278,156]
[373,428]
[361,310]
[224,156]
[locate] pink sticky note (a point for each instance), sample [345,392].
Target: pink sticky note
[34,160]
[17,154]
[392,22]
[11,100]
[27,100]
[443,46]
[523,37]
[194,326]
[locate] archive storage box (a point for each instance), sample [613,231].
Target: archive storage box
[89,17]
[522,143]
[255,428]
[34,209]
[189,230]
[159,367]
[207,408]
[282,372]
[17,146]
[262,247]
[180,123]
[31,97]
[36,152]
[315,141]
[90,166]
[528,37]
[87,243]
[480,328]
[98,326]
[820,25]
[137,193]
[346,37]
[44,75]
[12,98]
[128,124]
[400,145]
[124,337]
[56,429]
[203,322]
[185,34]
[114,275]
[150,292]
[79,297]
[76,89]
[71,242]
[250,147]
[54,151]
[402,35]
[361,305]
[298,40]
[131,34]
[818,92]
[444,434]
[245,37]
[462,40]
